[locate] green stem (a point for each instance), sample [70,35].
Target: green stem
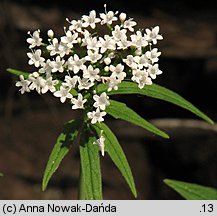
[81,191]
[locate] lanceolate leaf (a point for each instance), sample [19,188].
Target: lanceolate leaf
[192,191]
[120,111]
[61,148]
[90,167]
[156,91]
[117,155]
[18,72]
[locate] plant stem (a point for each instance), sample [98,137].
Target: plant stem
[81,190]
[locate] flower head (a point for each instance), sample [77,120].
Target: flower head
[95,52]
[73,65]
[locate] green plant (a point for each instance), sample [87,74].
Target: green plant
[87,69]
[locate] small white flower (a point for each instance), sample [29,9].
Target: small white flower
[39,84]
[54,47]
[142,61]
[107,43]
[84,83]
[69,39]
[130,61]
[144,80]
[153,55]
[138,40]
[93,56]
[141,77]
[129,24]
[91,73]
[79,102]
[119,34]
[86,35]
[112,83]
[108,18]
[24,84]
[57,65]
[117,71]
[92,43]
[96,116]
[90,20]
[153,35]
[101,101]
[35,39]
[71,81]
[63,93]
[101,143]
[50,85]
[75,63]
[35,58]
[64,49]
[137,75]
[76,25]
[123,44]
[46,68]
[153,70]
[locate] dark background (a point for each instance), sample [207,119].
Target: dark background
[29,124]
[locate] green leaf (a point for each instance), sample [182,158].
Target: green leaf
[1,174]
[18,72]
[192,191]
[156,91]
[61,148]
[82,188]
[116,153]
[91,180]
[120,111]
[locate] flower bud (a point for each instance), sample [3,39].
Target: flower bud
[50,33]
[122,17]
[106,68]
[79,40]
[138,52]
[35,74]
[107,61]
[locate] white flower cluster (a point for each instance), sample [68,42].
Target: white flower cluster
[70,67]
